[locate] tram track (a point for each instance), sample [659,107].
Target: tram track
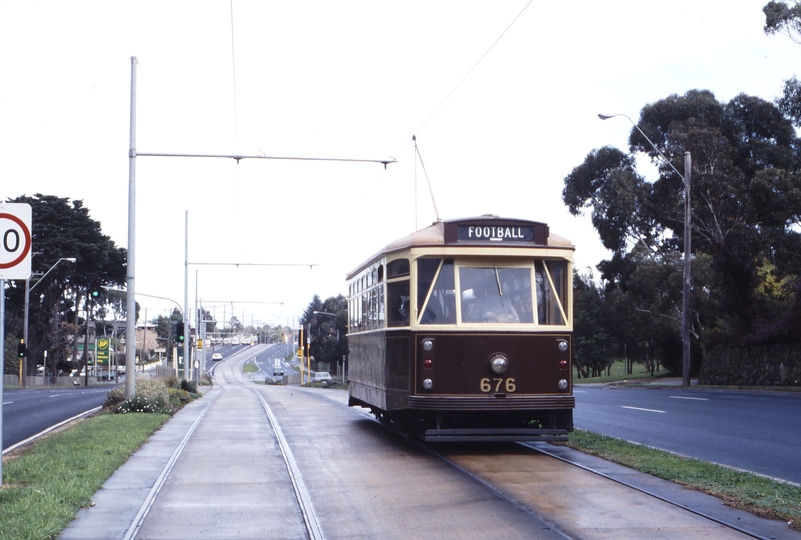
[540,447]
[504,491]
[228,378]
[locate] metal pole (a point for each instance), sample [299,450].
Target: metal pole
[187,373]
[85,345]
[24,362]
[2,361]
[130,300]
[198,319]
[687,278]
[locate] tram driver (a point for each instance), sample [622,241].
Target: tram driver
[489,304]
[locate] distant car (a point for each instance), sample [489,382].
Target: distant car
[322,377]
[278,371]
[216,356]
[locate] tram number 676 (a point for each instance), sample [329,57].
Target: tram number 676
[487,384]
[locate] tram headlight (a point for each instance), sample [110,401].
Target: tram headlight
[562,345]
[499,363]
[428,345]
[428,363]
[428,384]
[563,384]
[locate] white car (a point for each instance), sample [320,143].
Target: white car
[322,377]
[216,356]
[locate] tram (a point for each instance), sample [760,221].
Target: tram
[461,331]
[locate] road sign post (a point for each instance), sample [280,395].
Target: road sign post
[15,263]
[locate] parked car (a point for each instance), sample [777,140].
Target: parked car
[322,377]
[216,356]
[278,371]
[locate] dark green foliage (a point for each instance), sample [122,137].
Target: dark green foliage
[746,209]
[189,386]
[329,342]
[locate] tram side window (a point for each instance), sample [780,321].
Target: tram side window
[548,311]
[441,306]
[397,268]
[398,303]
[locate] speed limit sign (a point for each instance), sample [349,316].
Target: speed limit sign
[15,241]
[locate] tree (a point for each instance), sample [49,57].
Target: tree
[783,17]
[745,193]
[328,333]
[63,228]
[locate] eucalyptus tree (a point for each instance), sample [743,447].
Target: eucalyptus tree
[745,214]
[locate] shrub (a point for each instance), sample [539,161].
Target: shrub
[153,391]
[189,386]
[179,398]
[113,398]
[142,404]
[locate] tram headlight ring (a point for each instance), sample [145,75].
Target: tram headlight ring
[428,345]
[563,384]
[428,384]
[562,345]
[499,363]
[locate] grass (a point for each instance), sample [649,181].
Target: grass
[45,485]
[250,368]
[617,372]
[755,494]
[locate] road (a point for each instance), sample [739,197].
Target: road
[750,430]
[30,411]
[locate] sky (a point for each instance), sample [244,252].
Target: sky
[502,98]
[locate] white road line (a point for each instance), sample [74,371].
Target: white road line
[695,398]
[640,409]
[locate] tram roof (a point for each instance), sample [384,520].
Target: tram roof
[435,235]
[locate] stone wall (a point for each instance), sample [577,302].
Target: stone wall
[771,365]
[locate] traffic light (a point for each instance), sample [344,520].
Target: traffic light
[179,332]
[95,289]
[21,350]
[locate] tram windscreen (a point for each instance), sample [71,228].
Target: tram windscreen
[496,295]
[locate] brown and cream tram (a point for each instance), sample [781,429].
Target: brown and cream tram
[462,331]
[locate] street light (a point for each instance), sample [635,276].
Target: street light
[687,276]
[28,291]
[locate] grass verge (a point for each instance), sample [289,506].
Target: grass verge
[755,494]
[45,486]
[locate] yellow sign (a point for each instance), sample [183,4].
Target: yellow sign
[103,350]
[200,344]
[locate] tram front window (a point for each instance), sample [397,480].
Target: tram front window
[489,295]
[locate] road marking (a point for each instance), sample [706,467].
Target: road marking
[695,398]
[639,409]
[7,402]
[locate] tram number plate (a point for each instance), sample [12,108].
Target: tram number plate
[498,384]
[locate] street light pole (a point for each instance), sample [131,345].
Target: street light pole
[687,275]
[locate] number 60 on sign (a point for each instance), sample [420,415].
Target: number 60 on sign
[15,241]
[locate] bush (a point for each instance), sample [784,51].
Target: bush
[189,386]
[152,395]
[113,398]
[179,398]
[142,404]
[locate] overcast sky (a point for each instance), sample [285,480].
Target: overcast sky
[497,134]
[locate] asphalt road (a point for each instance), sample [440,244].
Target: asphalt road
[750,430]
[30,411]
